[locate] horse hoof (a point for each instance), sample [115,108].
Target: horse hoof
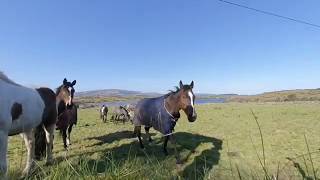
[49,163]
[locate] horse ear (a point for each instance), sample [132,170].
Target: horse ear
[192,85]
[65,81]
[181,84]
[74,83]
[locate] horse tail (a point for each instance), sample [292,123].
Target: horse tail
[40,141]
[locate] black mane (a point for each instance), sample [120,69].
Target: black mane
[177,89]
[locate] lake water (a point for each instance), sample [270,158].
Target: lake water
[198,101]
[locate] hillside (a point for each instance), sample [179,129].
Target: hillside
[113,92]
[280,96]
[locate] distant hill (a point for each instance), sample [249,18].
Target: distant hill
[206,95]
[127,93]
[276,96]
[114,93]
[280,96]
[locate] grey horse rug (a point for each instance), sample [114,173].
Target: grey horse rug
[151,112]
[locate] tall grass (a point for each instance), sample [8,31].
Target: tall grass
[279,174]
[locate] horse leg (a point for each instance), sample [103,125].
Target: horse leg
[3,154]
[69,135]
[165,151]
[64,138]
[49,130]
[137,132]
[176,153]
[147,132]
[117,119]
[28,137]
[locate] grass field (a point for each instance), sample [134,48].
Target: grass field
[224,143]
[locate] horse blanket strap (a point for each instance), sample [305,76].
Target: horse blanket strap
[152,112]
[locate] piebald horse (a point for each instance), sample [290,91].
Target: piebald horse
[104,113]
[162,114]
[22,111]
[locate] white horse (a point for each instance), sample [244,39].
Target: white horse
[22,110]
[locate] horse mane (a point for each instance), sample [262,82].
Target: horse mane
[7,80]
[177,89]
[121,107]
[59,89]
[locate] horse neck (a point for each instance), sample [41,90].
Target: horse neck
[58,101]
[172,104]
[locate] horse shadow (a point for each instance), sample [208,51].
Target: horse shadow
[110,138]
[196,161]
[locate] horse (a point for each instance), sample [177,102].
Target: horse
[162,113]
[24,111]
[130,109]
[67,117]
[104,113]
[66,120]
[120,113]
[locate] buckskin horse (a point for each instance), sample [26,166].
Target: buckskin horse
[162,114]
[24,111]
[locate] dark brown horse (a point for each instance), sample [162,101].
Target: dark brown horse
[67,115]
[66,121]
[162,114]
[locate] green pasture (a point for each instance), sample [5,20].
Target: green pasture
[224,143]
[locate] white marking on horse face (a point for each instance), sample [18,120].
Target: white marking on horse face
[191,98]
[69,102]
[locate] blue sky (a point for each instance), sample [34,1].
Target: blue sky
[149,45]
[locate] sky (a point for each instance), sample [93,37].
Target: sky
[149,45]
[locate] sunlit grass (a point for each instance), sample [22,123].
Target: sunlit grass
[224,143]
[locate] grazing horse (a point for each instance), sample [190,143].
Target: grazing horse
[162,114]
[24,111]
[67,114]
[104,113]
[120,113]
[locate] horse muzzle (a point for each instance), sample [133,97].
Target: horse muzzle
[69,104]
[192,118]
[192,115]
